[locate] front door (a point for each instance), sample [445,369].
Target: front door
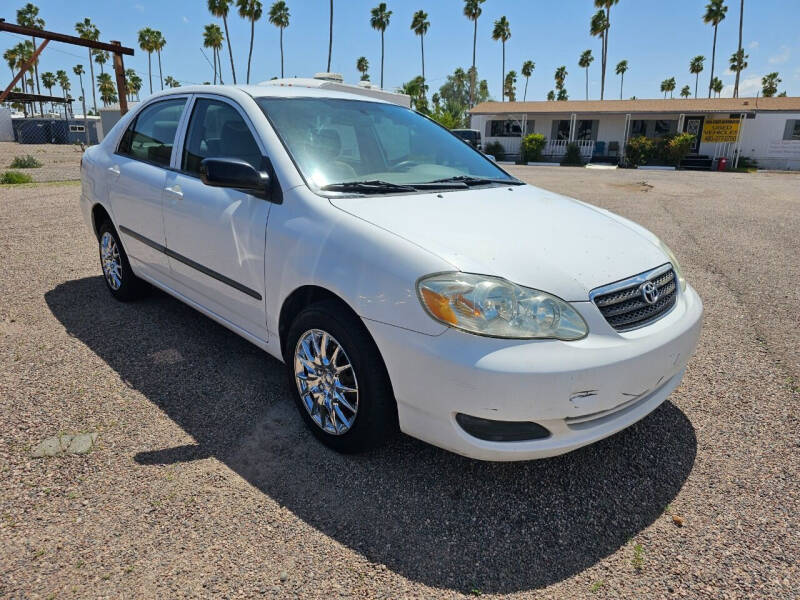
[136,183]
[216,236]
[694,125]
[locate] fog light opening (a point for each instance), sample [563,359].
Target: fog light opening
[501,431]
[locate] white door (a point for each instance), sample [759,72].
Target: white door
[216,236]
[136,183]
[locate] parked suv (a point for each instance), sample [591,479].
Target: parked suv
[406,281]
[471,136]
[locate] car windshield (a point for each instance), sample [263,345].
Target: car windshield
[355,146]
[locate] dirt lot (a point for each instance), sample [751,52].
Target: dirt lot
[60,162]
[204,483]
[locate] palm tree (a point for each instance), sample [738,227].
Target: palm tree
[527,70]
[63,83]
[89,31]
[510,86]
[473,10]
[560,77]
[133,83]
[212,38]
[715,13]
[28,16]
[49,82]
[279,16]
[146,44]
[330,38]
[598,27]
[171,82]
[695,68]
[583,62]
[220,8]
[379,20]
[78,70]
[419,25]
[250,10]
[551,96]
[668,85]
[739,49]
[738,63]
[769,84]
[108,93]
[716,86]
[362,64]
[158,45]
[502,32]
[604,4]
[101,58]
[622,67]
[686,91]
[10,56]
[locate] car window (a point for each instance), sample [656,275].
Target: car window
[151,135]
[217,130]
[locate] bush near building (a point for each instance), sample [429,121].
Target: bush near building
[25,162]
[572,157]
[532,146]
[639,150]
[15,177]
[678,147]
[495,149]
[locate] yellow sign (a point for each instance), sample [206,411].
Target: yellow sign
[721,130]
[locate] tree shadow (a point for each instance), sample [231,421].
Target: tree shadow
[431,516]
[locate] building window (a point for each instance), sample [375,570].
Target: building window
[586,130]
[663,127]
[792,130]
[77,128]
[505,128]
[561,130]
[638,128]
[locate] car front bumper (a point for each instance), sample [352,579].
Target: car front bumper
[580,391]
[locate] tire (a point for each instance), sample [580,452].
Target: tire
[375,418]
[117,272]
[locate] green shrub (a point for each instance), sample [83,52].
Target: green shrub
[15,177]
[496,150]
[639,150]
[678,147]
[572,157]
[25,162]
[532,146]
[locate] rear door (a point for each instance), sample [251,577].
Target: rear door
[137,179]
[216,236]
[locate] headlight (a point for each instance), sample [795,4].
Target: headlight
[494,307]
[675,265]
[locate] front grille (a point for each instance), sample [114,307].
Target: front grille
[624,306]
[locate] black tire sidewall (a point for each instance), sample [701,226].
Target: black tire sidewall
[376,419]
[131,287]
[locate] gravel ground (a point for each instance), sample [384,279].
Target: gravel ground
[60,162]
[203,482]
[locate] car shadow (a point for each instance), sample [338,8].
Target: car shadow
[429,515]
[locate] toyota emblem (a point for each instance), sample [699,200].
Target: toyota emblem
[649,292]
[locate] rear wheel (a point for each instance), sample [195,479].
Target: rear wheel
[340,386]
[117,272]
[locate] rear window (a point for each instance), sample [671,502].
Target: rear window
[151,135]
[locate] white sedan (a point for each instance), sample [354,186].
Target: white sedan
[406,280]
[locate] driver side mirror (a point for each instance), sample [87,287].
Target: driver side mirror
[234,173]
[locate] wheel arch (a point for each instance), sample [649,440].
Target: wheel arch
[99,216]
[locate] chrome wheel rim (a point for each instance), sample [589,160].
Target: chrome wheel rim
[109,258]
[326,381]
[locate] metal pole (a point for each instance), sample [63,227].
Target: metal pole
[738,144]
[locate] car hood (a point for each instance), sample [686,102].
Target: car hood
[528,235]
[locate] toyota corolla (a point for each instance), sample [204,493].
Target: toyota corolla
[406,280]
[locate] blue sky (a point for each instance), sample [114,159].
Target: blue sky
[657,38]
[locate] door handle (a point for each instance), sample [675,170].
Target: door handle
[114,169]
[175,190]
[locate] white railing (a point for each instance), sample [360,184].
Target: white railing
[559,148]
[511,145]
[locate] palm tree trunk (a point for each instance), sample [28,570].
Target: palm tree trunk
[472,72]
[696,81]
[621,82]
[525,95]
[281,52]
[215,65]
[250,55]
[36,72]
[91,74]
[422,47]
[219,64]
[330,38]
[587,83]
[150,70]
[713,57]
[230,52]
[381,59]
[160,74]
[741,18]
[503,79]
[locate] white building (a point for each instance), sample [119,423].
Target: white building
[766,130]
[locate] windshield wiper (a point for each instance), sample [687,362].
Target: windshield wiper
[470,181]
[374,186]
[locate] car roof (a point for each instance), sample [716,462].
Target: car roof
[268,91]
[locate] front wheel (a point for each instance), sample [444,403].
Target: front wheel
[117,272]
[341,387]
